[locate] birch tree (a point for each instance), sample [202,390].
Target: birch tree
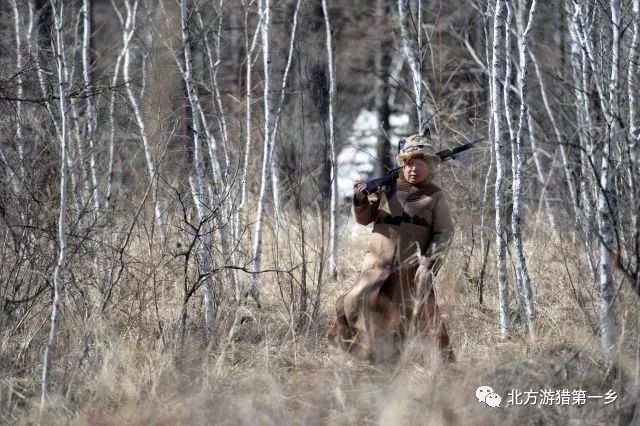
[278,114]
[607,194]
[579,67]
[413,52]
[634,143]
[56,305]
[127,34]
[250,46]
[497,76]
[132,7]
[522,274]
[220,179]
[632,91]
[90,110]
[267,150]
[198,186]
[333,236]
[20,94]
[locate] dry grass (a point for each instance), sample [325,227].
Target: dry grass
[260,369]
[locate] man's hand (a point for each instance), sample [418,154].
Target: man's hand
[360,192]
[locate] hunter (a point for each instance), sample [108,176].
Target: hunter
[393,298]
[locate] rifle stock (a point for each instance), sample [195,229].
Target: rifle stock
[392,175]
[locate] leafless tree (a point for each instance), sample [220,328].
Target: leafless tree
[56,305]
[497,76]
[333,236]
[522,273]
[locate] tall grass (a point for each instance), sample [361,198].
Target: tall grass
[262,367]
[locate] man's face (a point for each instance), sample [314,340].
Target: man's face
[416,171]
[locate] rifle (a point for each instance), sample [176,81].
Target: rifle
[392,175]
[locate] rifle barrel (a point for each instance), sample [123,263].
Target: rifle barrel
[374,184]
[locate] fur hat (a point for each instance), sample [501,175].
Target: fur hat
[418,146]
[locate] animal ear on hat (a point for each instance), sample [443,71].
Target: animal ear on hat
[425,132]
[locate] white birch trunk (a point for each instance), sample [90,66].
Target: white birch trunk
[585,201]
[275,180]
[487,177]
[557,133]
[607,195]
[214,159]
[126,39]
[148,149]
[247,112]
[90,110]
[78,173]
[634,130]
[216,93]
[333,233]
[413,55]
[20,95]
[224,231]
[510,126]
[198,188]
[497,73]
[522,274]
[249,49]
[56,306]
[43,84]
[507,78]
[632,87]
[583,35]
[266,159]
[543,177]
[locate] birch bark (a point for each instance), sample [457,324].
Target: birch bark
[607,195]
[127,34]
[587,184]
[497,74]
[249,49]
[285,77]
[266,159]
[413,55]
[632,87]
[56,306]
[634,134]
[20,94]
[148,149]
[333,236]
[90,110]
[225,231]
[198,188]
[522,274]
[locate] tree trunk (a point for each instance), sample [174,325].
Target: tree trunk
[497,73]
[17,181]
[148,149]
[585,203]
[127,34]
[522,274]
[90,110]
[382,66]
[56,306]
[333,233]
[266,159]
[413,54]
[198,187]
[607,195]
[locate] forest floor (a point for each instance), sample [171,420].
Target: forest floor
[262,369]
